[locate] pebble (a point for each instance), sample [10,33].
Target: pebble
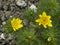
[7,13]
[21,3]
[2,36]
[11,16]
[33,7]
[25,22]
[5,7]
[3,23]
[3,18]
[10,37]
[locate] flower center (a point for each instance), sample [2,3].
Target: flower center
[45,20]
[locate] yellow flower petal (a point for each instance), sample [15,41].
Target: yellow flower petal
[39,23]
[50,24]
[44,14]
[45,20]
[37,20]
[40,15]
[16,23]
[49,39]
[45,26]
[20,25]
[49,17]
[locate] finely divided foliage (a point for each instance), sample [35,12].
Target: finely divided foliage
[37,28]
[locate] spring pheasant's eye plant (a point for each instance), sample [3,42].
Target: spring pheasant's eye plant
[35,29]
[45,20]
[16,23]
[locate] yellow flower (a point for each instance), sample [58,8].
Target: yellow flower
[16,23]
[49,39]
[45,20]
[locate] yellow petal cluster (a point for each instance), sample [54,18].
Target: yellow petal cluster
[45,20]
[16,23]
[49,39]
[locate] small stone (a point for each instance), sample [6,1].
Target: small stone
[10,37]
[1,30]
[2,36]
[3,23]
[33,7]
[5,7]
[25,22]
[13,42]
[3,18]
[21,3]
[7,13]
[11,16]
